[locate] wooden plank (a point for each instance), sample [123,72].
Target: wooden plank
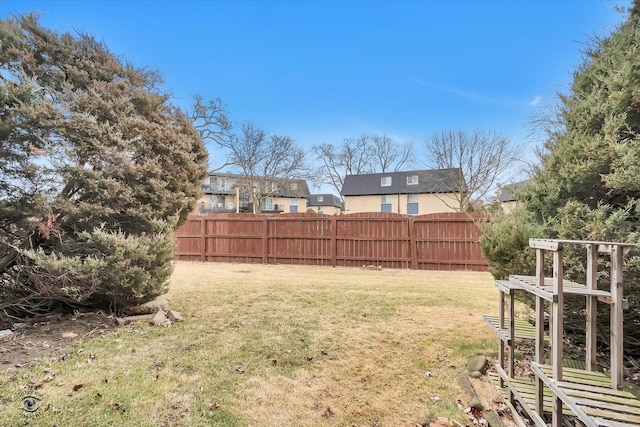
[580,376]
[518,395]
[539,334]
[523,328]
[546,244]
[265,240]
[603,402]
[608,423]
[614,416]
[203,239]
[501,325]
[413,245]
[605,391]
[592,307]
[560,398]
[334,244]
[512,332]
[617,367]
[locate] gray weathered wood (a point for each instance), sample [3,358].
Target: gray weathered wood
[556,343]
[546,244]
[512,337]
[539,344]
[591,309]
[561,396]
[617,374]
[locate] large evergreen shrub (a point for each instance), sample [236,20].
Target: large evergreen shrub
[588,185]
[97,169]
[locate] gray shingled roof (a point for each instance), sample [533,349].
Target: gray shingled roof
[508,193]
[327,200]
[429,181]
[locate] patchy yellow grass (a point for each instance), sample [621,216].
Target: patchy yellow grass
[277,346]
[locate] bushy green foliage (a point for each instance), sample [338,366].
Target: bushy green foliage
[97,169]
[588,185]
[505,241]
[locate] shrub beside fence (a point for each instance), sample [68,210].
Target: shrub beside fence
[444,241]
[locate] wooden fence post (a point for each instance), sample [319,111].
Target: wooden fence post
[265,240]
[203,238]
[333,247]
[413,244]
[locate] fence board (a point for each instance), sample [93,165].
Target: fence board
[446,241]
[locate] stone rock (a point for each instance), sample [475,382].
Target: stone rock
[20,326]
[160,319]
[174,316]
[477,366]
[150,307]
[5,333]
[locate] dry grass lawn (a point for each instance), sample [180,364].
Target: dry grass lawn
[275,346]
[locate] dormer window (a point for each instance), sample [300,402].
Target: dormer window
[412,180]
[385,181]
[294,186]
[320,199]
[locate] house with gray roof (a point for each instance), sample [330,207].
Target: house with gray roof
[508,194]
[327,204]
[409,192]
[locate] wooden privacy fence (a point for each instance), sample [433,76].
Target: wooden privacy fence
[444,241]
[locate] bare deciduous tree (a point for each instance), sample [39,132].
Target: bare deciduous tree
[389,155]
[361,155]
[263,160]
[481,156]
[260,158]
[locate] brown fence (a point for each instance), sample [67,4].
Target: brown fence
[445,241]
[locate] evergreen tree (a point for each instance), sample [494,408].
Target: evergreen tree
[588,184]
[97,169]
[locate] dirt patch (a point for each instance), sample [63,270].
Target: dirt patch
[52,334]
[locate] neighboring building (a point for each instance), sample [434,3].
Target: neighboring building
[327,204]
[225,192]
[411,192]
[507,198]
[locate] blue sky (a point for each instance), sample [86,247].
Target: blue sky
[321,71]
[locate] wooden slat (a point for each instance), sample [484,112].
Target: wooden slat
[608,423]
[523,329]
[607,403]
[617,367]
[605,391]
[610,415]
[520,394]
[546,244]
[561,397]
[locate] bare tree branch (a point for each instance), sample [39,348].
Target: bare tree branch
[361,155]
[481,156]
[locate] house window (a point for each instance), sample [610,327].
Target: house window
[216,203]
[320,210]
[267,204]
[294,186]
[412,204]
[385,205]
[412,180]
[385,181]
[293,205]
[320,199]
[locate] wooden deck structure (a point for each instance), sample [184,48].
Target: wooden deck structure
[588,394]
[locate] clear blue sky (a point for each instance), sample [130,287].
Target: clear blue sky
[321,71]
